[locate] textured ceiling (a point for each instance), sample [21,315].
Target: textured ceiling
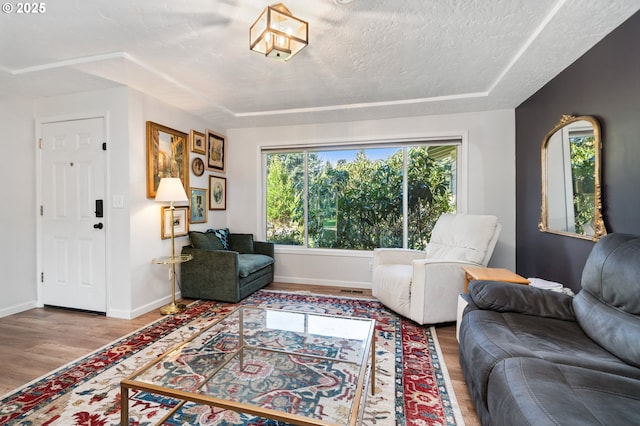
[369,59]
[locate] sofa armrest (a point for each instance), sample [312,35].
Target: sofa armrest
[505,297]
[436,280]
[385,256]
[264,247]
[470,305]
[213,262]
[211,274]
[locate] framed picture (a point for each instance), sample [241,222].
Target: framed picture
[167,156]
[215,151]
[197,166]
[217,193]
[198,205]
[180,222]
[198,142]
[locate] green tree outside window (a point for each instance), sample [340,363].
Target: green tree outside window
[355,197]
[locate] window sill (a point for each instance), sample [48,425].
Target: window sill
[305,251]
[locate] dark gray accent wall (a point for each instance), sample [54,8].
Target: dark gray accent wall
[604,82]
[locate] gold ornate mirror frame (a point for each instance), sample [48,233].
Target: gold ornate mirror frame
[571,194]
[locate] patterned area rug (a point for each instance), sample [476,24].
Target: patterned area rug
[412,384]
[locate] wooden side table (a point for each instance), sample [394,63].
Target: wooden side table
[493,274]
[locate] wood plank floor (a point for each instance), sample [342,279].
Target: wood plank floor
[40,340]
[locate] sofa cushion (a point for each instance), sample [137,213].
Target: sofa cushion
[205,241]
[608,306]
[250,263]
[462,237]
[242,243]
[223,236]
[488,337]
[523,389]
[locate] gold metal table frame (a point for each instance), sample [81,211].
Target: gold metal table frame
[358,329]
[173,260]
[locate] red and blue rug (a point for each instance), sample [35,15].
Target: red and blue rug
[412,385]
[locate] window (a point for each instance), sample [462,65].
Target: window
[359,197]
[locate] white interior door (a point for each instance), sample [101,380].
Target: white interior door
[73,235]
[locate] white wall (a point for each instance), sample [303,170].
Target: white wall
[490,144]
[149,282]
[112,104]
[18,281]
[134,284]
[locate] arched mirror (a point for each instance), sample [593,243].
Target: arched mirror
[571,199]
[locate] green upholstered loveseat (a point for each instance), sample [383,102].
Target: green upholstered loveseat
[227,267]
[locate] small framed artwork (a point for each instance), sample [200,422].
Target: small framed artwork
[216,151]
[217,193]
[180,222]
[167,156]
[198,205]
[198,142]
[197,166]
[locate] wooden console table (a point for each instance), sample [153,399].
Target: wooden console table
[493,274]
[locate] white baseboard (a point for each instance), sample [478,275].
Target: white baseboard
[115,313]
[156,304]
[327,283]
[4,312]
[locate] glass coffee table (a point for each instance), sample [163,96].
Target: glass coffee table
[297,367]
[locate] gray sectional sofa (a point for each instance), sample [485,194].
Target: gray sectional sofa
[536,357]
[226,266]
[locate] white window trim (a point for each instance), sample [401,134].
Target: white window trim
[462,194]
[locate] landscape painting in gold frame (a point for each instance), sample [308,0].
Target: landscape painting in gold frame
[167,156]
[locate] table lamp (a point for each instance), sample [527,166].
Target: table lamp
[171,190]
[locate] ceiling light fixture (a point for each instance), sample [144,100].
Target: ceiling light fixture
[278,34]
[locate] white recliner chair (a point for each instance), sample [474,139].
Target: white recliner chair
[424,285]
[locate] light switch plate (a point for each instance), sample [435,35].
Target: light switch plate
[118,202]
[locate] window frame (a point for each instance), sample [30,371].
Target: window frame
[457,139]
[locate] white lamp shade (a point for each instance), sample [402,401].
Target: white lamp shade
[171,189]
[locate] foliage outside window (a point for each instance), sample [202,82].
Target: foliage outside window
[583,155]
[354,198]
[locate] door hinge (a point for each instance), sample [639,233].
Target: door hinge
[40,143]
[42,277]
[41,210]
[104,146]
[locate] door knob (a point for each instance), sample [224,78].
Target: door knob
[98,226]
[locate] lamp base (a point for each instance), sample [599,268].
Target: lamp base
[172,308]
